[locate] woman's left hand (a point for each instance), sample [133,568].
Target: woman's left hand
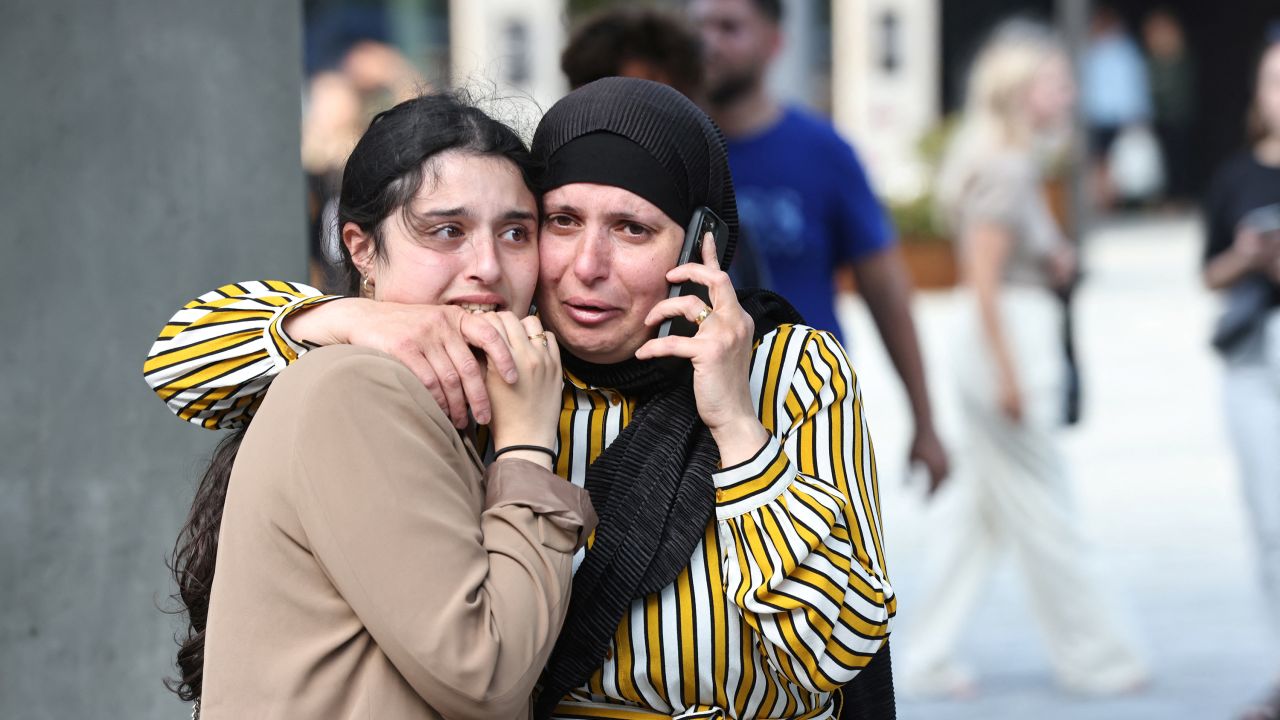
[720,352]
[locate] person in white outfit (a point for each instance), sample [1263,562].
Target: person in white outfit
[1011,376]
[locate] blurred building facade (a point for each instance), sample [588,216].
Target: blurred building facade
[885,77]
[514,43]
[886,71]
[897,68]
[496,46]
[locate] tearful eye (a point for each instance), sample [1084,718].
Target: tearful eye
[448,232]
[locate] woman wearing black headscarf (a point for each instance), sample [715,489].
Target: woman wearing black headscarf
[738,569]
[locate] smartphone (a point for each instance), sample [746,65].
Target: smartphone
[1265,220]
[704,221]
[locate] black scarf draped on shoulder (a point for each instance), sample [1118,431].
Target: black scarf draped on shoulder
[653,493]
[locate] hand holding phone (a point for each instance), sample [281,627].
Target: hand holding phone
[1257,239]
[704,221]
[1264,220]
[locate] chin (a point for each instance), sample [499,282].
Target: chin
[592,348]
[595,351]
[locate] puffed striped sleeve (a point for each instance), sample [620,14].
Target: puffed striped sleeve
[216,356]
[800,521]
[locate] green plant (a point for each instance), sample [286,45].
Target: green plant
[916,220]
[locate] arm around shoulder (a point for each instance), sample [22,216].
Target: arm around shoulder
[215,358]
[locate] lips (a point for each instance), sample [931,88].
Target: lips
[589,312]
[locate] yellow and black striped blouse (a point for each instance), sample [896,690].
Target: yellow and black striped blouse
[786,598]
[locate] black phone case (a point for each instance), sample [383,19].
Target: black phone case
[704,221]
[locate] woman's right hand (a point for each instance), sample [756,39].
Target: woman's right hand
[1259,252]
[526,412]
[1009,398]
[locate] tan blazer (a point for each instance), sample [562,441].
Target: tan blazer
[369,566]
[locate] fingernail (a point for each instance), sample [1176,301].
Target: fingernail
[511,376]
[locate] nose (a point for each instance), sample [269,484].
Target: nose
[713,33]
[485,268]
[594,253]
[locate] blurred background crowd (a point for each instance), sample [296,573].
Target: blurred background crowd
[1049,235]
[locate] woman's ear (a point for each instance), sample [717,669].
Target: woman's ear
[361,246]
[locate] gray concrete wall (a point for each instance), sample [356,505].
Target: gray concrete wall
[148,151]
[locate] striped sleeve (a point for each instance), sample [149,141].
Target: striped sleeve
[216,356]
[800,521]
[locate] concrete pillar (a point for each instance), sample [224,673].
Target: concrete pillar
[150,151]
[885,79]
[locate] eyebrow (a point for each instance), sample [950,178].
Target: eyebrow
[519,215]
[443,213]
[564,208]
[463,212]
[612,215]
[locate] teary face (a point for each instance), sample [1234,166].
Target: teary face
[605,253]
[469,237]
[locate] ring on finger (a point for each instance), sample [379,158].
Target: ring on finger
[703,315]
[539,337]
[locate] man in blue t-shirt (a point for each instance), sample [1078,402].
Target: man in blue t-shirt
[804,201]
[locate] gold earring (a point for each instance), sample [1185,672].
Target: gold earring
[366,285]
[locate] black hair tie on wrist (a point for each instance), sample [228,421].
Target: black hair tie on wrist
[536,448]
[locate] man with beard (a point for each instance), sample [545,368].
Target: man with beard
[804,199]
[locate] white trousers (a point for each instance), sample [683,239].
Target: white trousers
[1251,394]
[1015,493]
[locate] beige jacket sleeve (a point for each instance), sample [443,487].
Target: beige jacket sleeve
[463,586]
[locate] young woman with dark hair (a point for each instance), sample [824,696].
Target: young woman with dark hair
[348,555]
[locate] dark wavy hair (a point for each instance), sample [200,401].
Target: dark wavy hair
[605,42]
[384,172]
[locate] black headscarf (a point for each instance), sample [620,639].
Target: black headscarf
[652,487]
[644,137]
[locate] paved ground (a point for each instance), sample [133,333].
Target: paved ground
[1155,487]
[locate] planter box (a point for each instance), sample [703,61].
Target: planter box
[930,263]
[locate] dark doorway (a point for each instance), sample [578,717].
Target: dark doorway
[1225,40]
[965,25]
